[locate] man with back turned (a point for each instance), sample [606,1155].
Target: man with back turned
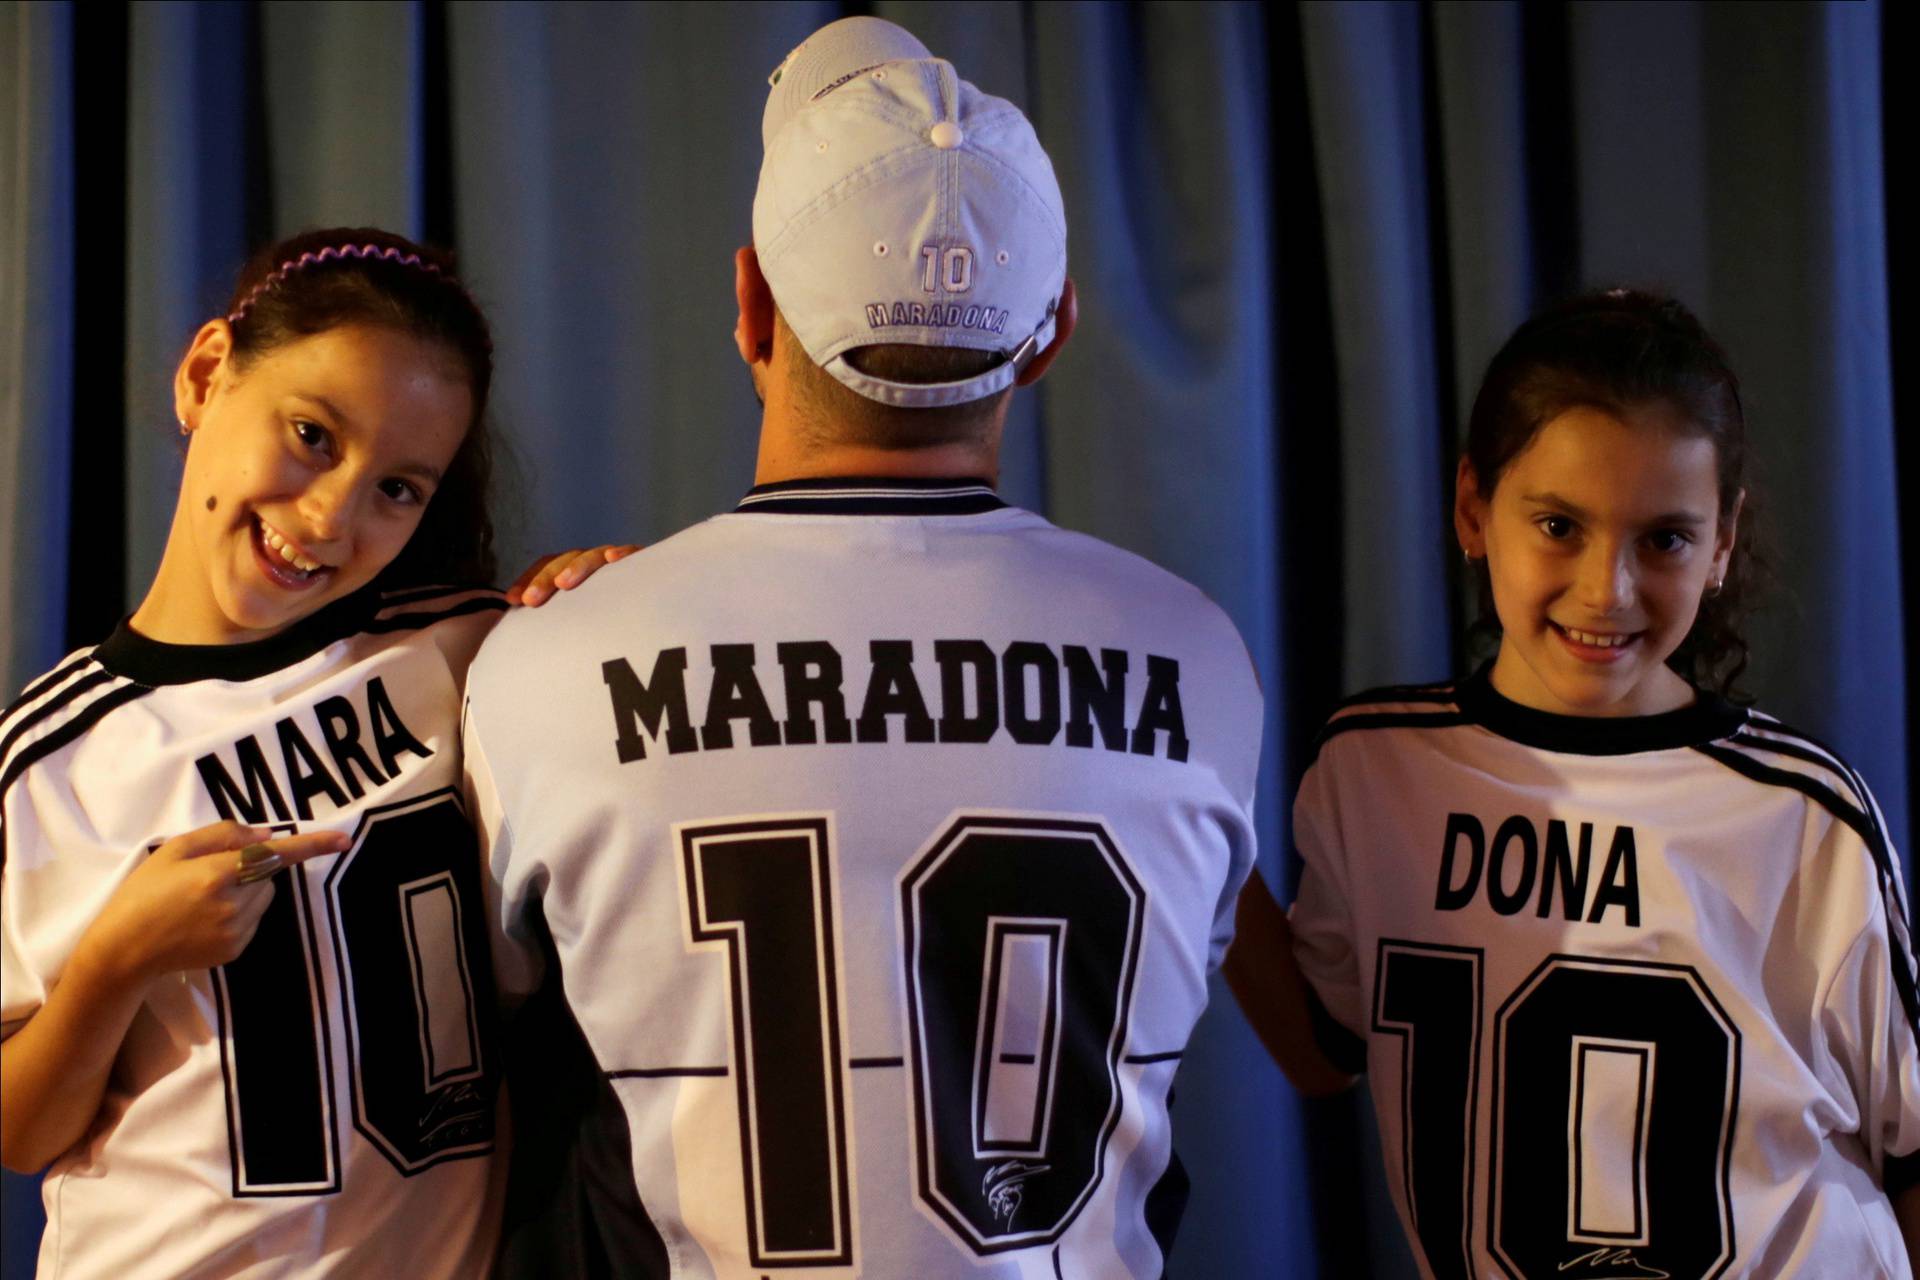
[883,835]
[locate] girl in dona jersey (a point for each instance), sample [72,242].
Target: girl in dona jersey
[247,1008]
[1626,963]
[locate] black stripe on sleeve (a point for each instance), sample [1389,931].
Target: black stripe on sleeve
[412,595]
[47,708]
[1804,746]
[1438,694]
[1867,828]
[1806,749]
[1384,720]
[45,683]
[415,621]
[66,733]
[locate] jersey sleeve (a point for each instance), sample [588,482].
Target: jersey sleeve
[1871,1019]
[22,991]
[56,878]
[518,959]
[1321,915]
[1241,850]
[465,622]
[1242,781]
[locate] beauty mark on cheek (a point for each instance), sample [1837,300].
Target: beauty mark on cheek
[212,502]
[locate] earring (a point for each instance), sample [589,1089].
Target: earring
[1713,588]
[184,428]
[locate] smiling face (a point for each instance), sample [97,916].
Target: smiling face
[308,468]
[1601,537]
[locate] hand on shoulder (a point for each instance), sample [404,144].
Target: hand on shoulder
[563,571]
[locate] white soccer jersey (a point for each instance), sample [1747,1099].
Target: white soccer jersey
[323,1105]
[887,835]
[1637,995]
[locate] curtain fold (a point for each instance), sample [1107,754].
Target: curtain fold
[1298,233]
[1160,438]
[1366,81]
[1490,256]
[1796,288]
[191,210]
[604,163]
[346,116]
[37,320]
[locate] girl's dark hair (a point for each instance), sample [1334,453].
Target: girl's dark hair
[320,280]
[1618,351]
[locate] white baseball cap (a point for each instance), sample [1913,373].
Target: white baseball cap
[899,204]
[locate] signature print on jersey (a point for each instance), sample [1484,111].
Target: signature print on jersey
[1020,939]
[1616,1085]
[412,993]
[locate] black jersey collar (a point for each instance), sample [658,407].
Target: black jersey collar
[153,662]
[1708,719]
[871,496]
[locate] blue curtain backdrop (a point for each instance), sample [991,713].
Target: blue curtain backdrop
[1298,230]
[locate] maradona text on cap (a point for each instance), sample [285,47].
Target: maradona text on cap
[899,204]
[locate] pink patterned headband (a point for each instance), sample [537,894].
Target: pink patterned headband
[337,253]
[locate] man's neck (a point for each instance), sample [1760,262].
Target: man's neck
[794,448]
[933,462]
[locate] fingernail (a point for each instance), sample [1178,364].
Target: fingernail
[532,595]
[565,578]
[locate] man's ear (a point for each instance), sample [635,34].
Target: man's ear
[1469,511]
[753,331]
[1065,316]
[193,381]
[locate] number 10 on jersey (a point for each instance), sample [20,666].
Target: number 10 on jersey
[1020,938]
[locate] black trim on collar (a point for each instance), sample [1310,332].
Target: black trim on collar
[153,662]
[871,496]
[1709,719]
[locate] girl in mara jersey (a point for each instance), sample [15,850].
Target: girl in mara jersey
[248,1013]
[1627,964]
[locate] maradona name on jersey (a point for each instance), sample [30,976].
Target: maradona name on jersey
[1520,855]
[1037,693]
[256,794]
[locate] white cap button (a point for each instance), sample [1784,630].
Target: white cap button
[946,135]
